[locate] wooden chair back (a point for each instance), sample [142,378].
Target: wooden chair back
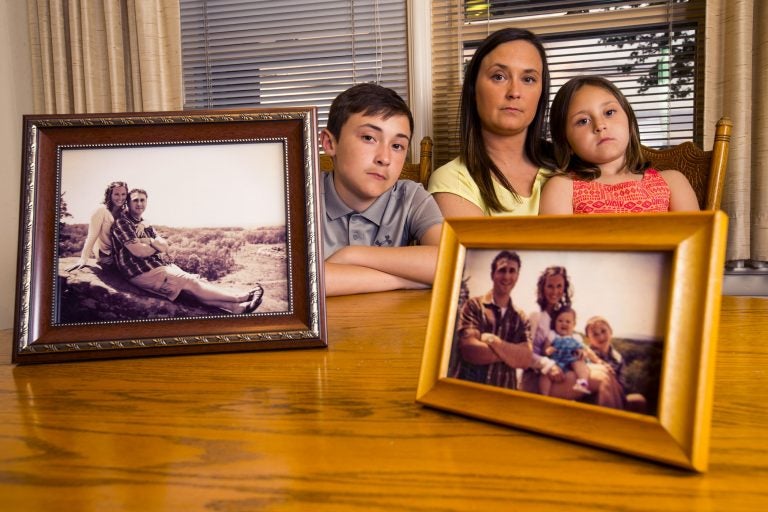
[418,171]
[705,170]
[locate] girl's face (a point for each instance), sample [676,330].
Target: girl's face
[119,195]
[508,88]
[597,128]
[599,334]
[565,323]
[554,289]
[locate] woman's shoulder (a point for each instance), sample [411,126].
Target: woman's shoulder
[449,170]
[453,177]
[100,211]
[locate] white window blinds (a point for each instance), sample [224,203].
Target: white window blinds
[262,53]
[650,50]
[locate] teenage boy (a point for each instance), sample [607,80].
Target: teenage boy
[370,216]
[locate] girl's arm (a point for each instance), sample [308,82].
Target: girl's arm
[682,197]
[590,355]
[557,196]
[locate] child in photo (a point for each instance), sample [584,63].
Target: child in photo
[600,167]
[600,339]
[568,352]
[379,232]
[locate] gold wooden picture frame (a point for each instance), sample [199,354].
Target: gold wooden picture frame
[689,251]
[234,192]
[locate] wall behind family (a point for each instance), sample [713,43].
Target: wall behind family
[15,101]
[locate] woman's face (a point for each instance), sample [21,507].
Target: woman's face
[508,88]
[554,289]
[119,195]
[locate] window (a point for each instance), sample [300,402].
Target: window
[262,53]
[648,49]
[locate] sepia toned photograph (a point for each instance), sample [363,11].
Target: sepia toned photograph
[168,233]
[226,256]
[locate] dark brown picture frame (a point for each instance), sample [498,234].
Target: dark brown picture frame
[39,337]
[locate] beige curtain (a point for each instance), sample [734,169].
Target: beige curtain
[737,86]
[93,56]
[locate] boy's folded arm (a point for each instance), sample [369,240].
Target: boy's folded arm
[413,262]
[346,279]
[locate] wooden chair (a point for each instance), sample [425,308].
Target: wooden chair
[704,169]
[418,171]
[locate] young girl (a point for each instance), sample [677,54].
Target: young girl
[599,336]
[568,352]
[600,168]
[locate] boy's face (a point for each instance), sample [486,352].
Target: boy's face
[368,157]
[565,323]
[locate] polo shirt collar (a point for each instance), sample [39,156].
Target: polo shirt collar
[336,208]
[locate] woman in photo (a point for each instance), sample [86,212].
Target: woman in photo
[98,242]
[555,291]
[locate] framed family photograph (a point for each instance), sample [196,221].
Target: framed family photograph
[599,329]
[168,233]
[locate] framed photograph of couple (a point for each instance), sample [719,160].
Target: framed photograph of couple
[168,233]
[599,329]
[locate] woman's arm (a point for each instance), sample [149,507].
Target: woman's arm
[453,205]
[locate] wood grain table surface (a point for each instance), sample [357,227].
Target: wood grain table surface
[338,429]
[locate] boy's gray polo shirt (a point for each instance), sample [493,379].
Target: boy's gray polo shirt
[399,216]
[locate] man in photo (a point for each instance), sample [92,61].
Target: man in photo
[138,253]
[493,333]
[371,218]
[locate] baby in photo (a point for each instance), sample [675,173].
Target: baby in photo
[568,352]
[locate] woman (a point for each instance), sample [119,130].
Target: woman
[503,162]
[98,242]
[553,292]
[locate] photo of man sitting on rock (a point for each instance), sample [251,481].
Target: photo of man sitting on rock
[138,256]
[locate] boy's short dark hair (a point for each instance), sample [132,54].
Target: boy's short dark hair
[370,99]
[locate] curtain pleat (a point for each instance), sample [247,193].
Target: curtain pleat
[736,86]
[105,55]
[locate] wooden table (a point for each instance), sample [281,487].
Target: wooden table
[338,430]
